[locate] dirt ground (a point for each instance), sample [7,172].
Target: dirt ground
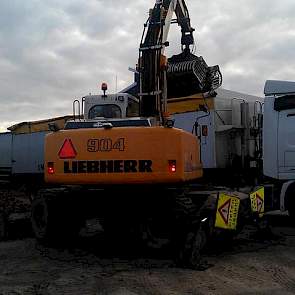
[250,265]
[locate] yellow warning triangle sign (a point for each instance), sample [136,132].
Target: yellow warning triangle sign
[227,212]
[257,201]
[224,211]
[260,203]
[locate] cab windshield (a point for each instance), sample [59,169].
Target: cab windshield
[105,111]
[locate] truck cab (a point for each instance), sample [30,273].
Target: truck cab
[279,140]
[279,130]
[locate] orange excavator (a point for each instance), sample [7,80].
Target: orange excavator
[133,174]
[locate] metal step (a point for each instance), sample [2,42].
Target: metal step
[5,175]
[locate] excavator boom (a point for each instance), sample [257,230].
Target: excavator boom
[182,75]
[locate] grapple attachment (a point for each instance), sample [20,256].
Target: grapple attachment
[188,74]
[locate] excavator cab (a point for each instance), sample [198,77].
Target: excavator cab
[116,106]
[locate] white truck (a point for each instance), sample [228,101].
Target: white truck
[279,142]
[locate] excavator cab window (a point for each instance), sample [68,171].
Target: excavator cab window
[132,108]
[105,111]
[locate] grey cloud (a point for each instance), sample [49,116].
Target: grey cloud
[54,51]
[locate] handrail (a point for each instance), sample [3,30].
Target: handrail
[76,102]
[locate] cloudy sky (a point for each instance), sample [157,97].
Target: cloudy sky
[54,51]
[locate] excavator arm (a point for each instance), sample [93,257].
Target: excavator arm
[160,20]
[183,74]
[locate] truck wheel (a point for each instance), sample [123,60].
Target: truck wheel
[291,211]
[52,221]
[290,197]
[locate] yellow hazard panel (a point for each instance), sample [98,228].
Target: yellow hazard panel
[227,212]
[257,201]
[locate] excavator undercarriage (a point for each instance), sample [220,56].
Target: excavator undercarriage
[139,219]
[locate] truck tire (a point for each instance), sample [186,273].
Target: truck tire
[290,201]
[53,218]
[291,211]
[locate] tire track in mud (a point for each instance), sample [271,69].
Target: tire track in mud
[274,268]
[243,272]
[127,282]
[264,271]
[135,277]
[160,282]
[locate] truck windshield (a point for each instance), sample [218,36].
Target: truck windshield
[105,111]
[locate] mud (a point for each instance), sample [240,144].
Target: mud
[251,264]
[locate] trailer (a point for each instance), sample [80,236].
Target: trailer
[22,151]
[27,156]
[225,125]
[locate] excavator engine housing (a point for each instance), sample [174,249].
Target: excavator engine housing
[121,155]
